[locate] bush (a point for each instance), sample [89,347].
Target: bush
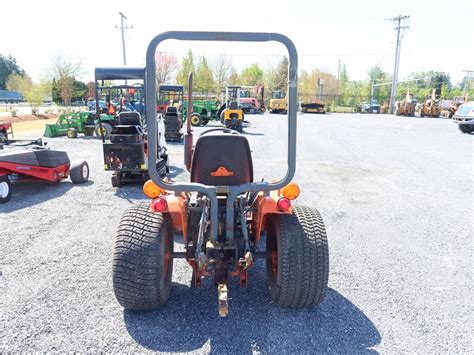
[13,113]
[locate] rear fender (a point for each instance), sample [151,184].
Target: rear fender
[178,211]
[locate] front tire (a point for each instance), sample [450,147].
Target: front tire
[465,128]
[142,262]
[298,262]
[72,132]
[196,119]
[5,189]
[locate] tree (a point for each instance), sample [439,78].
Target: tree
[90,90]
[221,70]
[187,65]
[33,93]
[204,81]
[8,66]
[166,67]
[276,78]
[63,70]
[252,75]
[234,77]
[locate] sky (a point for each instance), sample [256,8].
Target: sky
[356,34]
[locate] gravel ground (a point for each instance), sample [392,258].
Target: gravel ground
[396,197]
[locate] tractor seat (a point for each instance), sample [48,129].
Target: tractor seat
[171,111]
[233,105]
[222,159]
[129,119]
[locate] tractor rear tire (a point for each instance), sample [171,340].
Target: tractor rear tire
[5,189]
[72,132]
[142,263]
[298,266]
[107,127]
[196,119]
[79,172]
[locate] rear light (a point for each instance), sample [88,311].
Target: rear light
[159,205]
[291,191]
[152,190]
[284,204]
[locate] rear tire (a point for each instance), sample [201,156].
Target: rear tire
[107,128]
[297,271]
[142,264]
[79,172]
[5,189]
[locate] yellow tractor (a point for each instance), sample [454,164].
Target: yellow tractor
[278,102]
[406,107]
[431,107]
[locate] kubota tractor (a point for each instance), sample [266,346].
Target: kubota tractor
[223,214]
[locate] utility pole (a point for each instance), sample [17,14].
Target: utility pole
[122,28]
[393,95]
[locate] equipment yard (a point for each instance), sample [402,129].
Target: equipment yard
[395,194]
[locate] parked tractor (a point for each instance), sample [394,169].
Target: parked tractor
[407,106]
[204,110]
[278,102]
[71,124]
[227,219]
[431,106]
[454,105]
[172,96]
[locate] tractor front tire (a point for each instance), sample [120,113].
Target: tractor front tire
[72,133]
[5,189]
[79,172]
[196,119]
[298,260]
[142,263]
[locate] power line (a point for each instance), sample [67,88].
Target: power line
[122,28]
[281,55]
[400,20]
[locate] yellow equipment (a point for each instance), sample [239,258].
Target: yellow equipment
[407,106]
[278,102]
[431,107]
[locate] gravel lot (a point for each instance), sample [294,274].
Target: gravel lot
[396,197]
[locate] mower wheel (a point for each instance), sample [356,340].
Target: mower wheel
[116,180]
[298,262]
[142,263]
[72,132]
[79,172]
[107,129]
[5,189]
[196,119]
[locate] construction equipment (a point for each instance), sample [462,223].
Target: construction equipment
[172,98]
[454,105]
[222,213]
[6,129]
[313,107]
[431,106]
[278,102]
[252,99]
[31,161]
[71,124]
[231,113]
[127,148]
[407,106]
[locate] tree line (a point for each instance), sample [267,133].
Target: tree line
[212,75]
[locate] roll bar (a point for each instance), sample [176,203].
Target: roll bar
[210,191]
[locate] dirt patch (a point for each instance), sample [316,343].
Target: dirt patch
[24,118]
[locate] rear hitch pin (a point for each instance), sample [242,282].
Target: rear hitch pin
[222,298]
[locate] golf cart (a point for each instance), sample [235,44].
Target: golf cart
[224,215]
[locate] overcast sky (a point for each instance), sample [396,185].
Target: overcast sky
[440,36]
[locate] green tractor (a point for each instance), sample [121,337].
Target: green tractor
[204,110]
[70,125]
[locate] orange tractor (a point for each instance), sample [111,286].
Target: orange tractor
[223,214]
